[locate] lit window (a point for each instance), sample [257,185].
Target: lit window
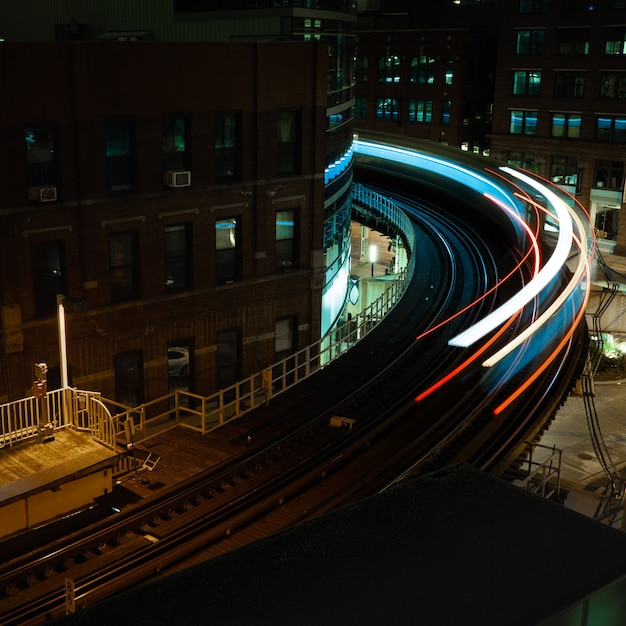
[529,41]
[526,82]
[285,239]
[566,125]
[227,250]
[387,109]
[420,111]
[523,122]
[389,69]
[423,70]
[227,152]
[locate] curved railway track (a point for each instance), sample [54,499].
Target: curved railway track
[297,465]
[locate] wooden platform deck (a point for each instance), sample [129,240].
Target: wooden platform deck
[31,466]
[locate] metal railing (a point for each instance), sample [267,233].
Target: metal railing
[111,422]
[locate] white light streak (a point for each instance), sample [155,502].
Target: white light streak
[549,271]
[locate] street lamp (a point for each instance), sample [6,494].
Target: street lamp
[372,256]
[62,342]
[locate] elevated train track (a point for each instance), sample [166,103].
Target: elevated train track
[411,401]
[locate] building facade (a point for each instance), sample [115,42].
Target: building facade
[174,221]
[426,71]
[559,102]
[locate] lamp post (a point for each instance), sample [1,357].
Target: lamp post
[372,256]
[62,342]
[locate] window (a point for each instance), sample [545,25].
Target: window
[525,160]
[227,250]
[48,263]
[387,109]
[611,128]
[123,257]
[227,358]
[287,142]
[615,40]
[120,146]
[449,73]
[423,70]
[285,239]
[609,174]
[41,163]
[523,123]
[389,69]
[533,6]
[566,125]
[227,140]
[526,82]
[361,65]
[179,362]
[564,170]
[175,143]
[445,111]
[529,41]
[177,256]
[129,378]
[284,339]
[569,84]
[573,40]
[360,107]
[420,111]
[613,85]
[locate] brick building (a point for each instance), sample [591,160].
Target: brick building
[166,204]
[559,102]
[181,173]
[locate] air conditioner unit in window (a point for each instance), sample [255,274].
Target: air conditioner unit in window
[177,178]
[46,193]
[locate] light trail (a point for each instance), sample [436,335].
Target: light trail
[548,272]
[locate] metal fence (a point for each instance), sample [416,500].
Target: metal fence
[111,422]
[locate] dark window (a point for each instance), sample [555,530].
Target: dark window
[129,378]
[48,260]
[573,40]
[569,84]
[423,70]
[389,69]
[285,239]
[529,41]
[564,170]
[526,82]
[178,256]
[41,155]
[120,146]
[446,105]
[175,142]
[287,142]
[227,358]
[227,141]
[227,250]
[123,255]
[525,160]
[613,85]
[360,107]
[420,111]
[609,174]
[387,109]
[566,125]
[611,128]
[523,122]
[533,6]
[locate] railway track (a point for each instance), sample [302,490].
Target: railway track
[299,465]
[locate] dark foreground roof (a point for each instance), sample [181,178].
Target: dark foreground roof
[455,547]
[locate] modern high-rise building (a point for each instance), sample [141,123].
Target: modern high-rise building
[180,172]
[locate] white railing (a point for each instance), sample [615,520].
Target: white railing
[110,422]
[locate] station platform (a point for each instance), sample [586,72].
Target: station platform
[39,481]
